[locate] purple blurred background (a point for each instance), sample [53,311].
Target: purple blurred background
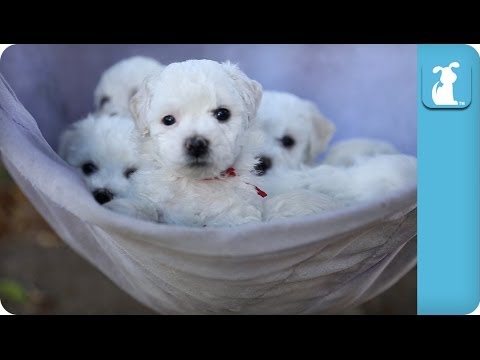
[366,90]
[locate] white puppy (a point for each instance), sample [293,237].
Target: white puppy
[103,151]
[352,151]
[120,82]
[296,131]
[372,178]
[297,202]
[198,144]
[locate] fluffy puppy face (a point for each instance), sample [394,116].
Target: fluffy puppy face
[120,82]
[103,151]
[194,116]
[296,132]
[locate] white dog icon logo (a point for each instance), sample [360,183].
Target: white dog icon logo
[443,95]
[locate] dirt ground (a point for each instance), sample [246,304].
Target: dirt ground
[39,274]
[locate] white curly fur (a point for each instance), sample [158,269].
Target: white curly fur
[109,143]
[120,82]
[369,179]
[352,151]
[283,114]
[175,181]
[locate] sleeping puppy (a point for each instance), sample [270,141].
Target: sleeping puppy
[352,151]
[297,202]
[199,145]
[104,152]
[372,178]
[296,132]
[119,82]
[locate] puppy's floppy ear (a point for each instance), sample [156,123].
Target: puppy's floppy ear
[437,69]
[140,104]
[250,90]
[323,130]
[454,64]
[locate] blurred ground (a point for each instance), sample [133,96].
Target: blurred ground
[39,274]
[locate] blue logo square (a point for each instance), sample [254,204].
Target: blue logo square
[447,79]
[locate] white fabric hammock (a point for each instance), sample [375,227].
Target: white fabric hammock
[316,264]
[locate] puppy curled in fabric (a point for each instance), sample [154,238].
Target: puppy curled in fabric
[352,151]
[372,178]
[120,82]
[296,132]
[103,151]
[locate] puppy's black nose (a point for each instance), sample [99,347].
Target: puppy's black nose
[196,146]
[102,196]
[264,163]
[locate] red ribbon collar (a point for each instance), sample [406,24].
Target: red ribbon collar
[230,172]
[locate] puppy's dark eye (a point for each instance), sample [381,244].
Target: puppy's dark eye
[168,120]
[89,168]
[287,141]
[129,172]
[221,114]
[104,100]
